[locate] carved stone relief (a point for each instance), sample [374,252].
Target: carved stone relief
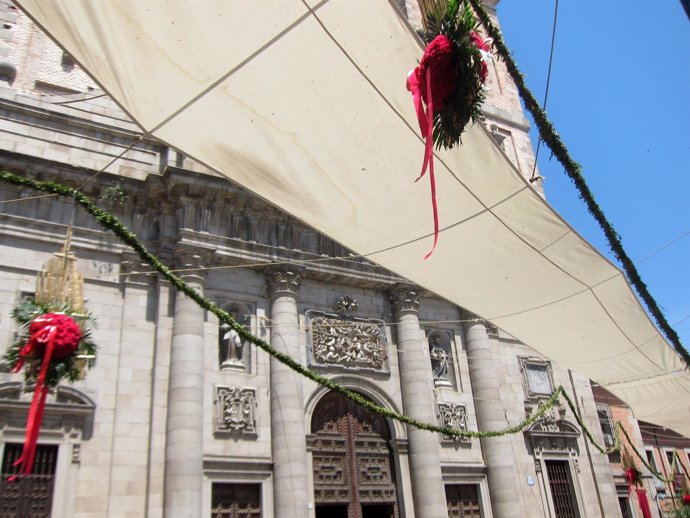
[235,410]
[347,342]
[553,435]
[453,415]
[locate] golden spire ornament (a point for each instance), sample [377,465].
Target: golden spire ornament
[60,283]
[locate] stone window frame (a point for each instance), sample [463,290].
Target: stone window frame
[473,475]
[574,470]
[609,437]
[68,422]
[225,470]
[525,363]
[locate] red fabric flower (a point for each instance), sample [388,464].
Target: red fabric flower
[439,58]
[481,45]
[479,42]
[67,335]
[632,475]
[686,499]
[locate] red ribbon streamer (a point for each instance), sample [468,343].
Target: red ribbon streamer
[426,126]
[644,504]
[35,418]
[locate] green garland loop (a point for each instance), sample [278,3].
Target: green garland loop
[653,471]
[110,222]
[551,138]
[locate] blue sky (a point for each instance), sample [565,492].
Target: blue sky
[620,99]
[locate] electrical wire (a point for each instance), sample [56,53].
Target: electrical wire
[548,83]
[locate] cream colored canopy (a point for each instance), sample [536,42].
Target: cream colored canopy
[304,103]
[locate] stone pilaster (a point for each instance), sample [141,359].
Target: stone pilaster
[418,402]
[288,434]
[131,439]
[498,453]
[184,430]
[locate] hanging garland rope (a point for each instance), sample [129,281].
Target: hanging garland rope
[125,235]
[548,134]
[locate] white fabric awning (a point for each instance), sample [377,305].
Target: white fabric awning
[304,103]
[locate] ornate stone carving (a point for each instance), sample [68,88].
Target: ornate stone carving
[537,379]
[346,305]
[131,269]
[405,298]
[76,453]
[553,435]
[235,408]
[347,342]
[193,262]
[453,415]
[281,280]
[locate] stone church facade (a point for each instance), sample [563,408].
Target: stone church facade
[180,418]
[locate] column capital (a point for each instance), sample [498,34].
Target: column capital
[195,260]
[282,280]
[134,271]
[405,298]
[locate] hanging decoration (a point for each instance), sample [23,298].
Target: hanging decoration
[632,474]
[55,343]
[634,478]
[549,135]
[447,86]
[643,502]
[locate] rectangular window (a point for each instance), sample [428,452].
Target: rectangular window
[671,460]
[650,459]
[606,424]
[562,490]
[30,495]
[624,504]
[233,500]
[463,501]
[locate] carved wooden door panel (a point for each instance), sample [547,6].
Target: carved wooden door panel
[353,464]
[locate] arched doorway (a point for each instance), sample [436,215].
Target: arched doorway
[354,475]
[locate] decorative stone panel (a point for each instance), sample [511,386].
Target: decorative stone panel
[347,342]
[235,410]
[453,415]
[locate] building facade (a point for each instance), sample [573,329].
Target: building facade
[180,418]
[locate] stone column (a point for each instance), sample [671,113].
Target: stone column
[288,435]
[416,381]
[184,429]
[498,453]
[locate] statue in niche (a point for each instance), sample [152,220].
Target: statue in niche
[438,351]
[230,344]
